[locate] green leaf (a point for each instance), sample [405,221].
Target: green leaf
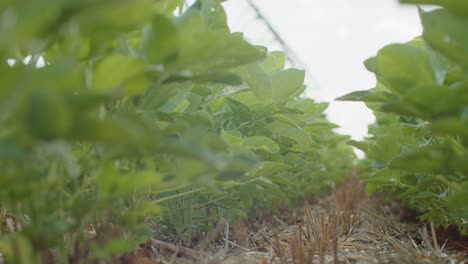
[403,66]
[112,183]
[286,120]
[222,77]
[257,80]
[354,96]
[214,15]
[168,7]
[275,61]
[429,160]
[401,108]
[457,200]
[238,212]
[457,6]
[199,119]
[120,246]
[447,33]
[47,116]
[381,179]
[11,76]
[268,168]
[246,200]
[231,139]
[208,51]
[261,143]
[450,126]
[10,245]
[364,146]
[120,73]
[365,96]
[161,44]
[425,98]
[104,19]
[287,83]
[239,110]
[372,65]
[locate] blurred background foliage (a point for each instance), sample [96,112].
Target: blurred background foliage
[130,112]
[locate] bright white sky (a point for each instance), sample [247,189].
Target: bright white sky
[332,38]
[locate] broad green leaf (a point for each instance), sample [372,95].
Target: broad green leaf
[429,160]
[426,98]
[231,139]
[274,62]
[372,65]
[364,146]
[200,118]
[319,126]
[120,73]
[381,179]
[287,83]
[450,126]
[10,245]
[182,106]
[249,99]
[11,77]
[457,6]
[239,110]
[222,77]
[440,101]
[168,7]
[112,183]
[285,120]
[401,108]
[246,200]
[268,168]
[161,44]
[47,116]
[261,143]
[403,66]
[214,15]
[120,131]
[213,50]
[109,18]
[354,96]
[457,200]
[120,246]
[365,96]
[27,24]
[447,33]
[296,134]
[264,180]
[310,108]
[257,80]
[147,208]
[217,104]
[64,76]
[238,212]
[287,111]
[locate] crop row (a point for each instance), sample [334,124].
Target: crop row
[125,113]
[418,147]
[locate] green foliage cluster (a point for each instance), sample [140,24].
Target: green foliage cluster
[142,111]
[419,142]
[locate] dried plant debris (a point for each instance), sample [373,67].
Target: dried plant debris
[343,227]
